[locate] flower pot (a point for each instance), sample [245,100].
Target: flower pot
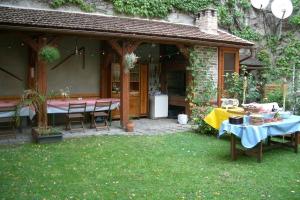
[51,137]
[130,127]
[182,119]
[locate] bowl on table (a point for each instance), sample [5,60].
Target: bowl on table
[285,114]
[268,115]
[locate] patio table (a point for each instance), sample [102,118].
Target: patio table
[25,111]
[218,115]
[62,106]
[56,106]
[252,136]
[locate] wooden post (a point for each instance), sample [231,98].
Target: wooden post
[105,80]
[233,147]
[296,135]
[127,47]
[259,152]
[184,50]
[42,84]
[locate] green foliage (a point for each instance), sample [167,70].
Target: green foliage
[202,90]
[273,42]
[295,18]
[82,4]
[234,84]
[264,57]
[247,33]
[158,8]
[274,96]
[49,54]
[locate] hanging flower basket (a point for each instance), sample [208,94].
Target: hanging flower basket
[130,61]
[49,54]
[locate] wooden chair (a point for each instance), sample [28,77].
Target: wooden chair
[101,109]
[76,113]
[8,123]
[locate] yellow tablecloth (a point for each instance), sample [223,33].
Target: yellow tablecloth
[218,115]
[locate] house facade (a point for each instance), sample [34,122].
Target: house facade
[93,46]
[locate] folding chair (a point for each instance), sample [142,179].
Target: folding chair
[8,121]
[101,110]
[76,113]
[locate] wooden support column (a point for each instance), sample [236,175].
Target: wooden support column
[126,47]
[42,84]
[106,60]
[31,69]
[184,50]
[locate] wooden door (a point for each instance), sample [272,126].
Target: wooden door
[229,62]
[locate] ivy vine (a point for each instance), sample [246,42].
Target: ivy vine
[202,90]
[82,4]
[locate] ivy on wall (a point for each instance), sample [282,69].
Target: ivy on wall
[82,4]
[202,90]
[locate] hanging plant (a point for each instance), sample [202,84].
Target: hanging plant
[49,54]
[130,61]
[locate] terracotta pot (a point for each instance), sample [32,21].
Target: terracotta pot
[130,127]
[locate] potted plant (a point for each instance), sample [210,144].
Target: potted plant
[130,61]
[42,133]
[130,126]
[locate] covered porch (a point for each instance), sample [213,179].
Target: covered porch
[92,62]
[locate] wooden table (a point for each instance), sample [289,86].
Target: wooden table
[252,136]
[260,147]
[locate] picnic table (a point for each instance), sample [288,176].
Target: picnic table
[252,135]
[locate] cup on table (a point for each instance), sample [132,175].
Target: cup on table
[246,119]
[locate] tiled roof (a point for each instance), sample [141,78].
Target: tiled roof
[110,24]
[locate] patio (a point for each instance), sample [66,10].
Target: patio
[143,126]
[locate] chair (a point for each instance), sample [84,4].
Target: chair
[8,121]
[101,110]
[76,113]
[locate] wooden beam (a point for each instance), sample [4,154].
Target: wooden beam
[29,41]
[115,45]
[184,50]
[81,49]
[11,74]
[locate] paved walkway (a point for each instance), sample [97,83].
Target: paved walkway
[142,127]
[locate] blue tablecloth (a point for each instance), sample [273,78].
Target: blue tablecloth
[251,135]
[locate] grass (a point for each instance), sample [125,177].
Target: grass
[180,166]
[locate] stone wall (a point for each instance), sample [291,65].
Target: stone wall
[210,55]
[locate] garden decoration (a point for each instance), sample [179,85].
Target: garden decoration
[245,85]
[49,54]
[284,92]
[130,61]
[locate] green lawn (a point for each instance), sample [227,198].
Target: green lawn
[180,166]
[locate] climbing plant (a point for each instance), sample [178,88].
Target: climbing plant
[202,89]
[82,4]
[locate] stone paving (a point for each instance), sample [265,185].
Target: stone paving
[142,127]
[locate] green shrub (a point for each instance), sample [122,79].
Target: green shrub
[274,96]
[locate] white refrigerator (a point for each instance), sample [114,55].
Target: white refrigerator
[159,106]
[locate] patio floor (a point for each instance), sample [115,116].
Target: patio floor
[143,126]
